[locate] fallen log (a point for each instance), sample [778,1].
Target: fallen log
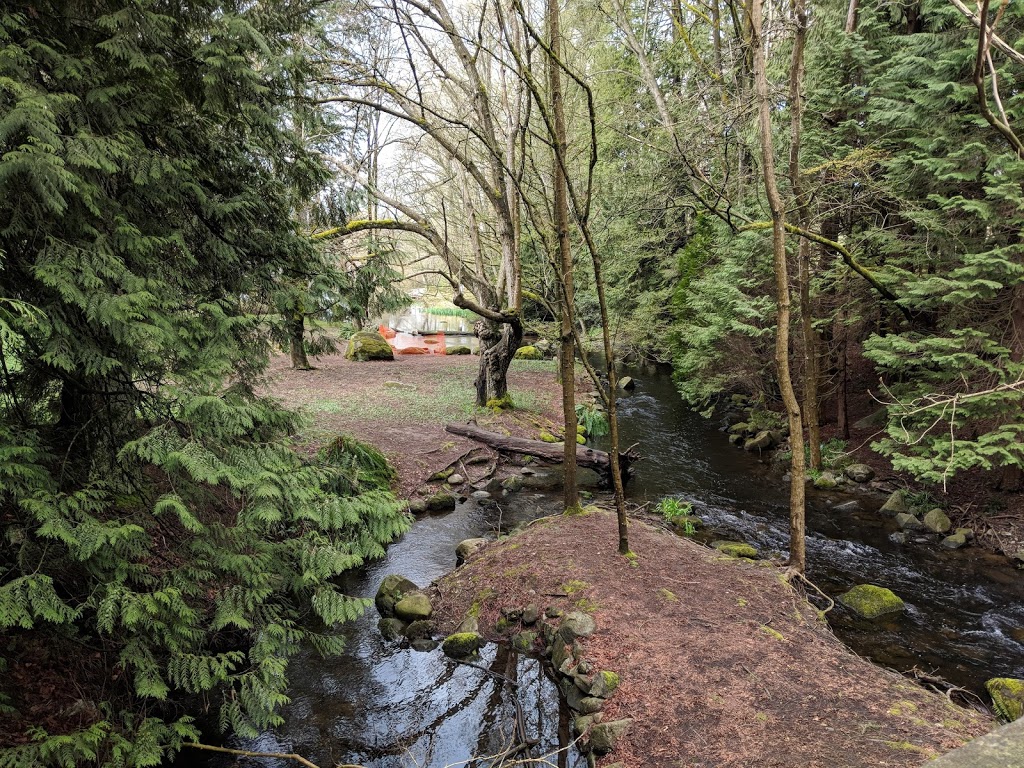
[599,461]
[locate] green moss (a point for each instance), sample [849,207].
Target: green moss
[1007,697]
[547,437]
[735,549]
[368,345]
[573,586]
[903,708]
[773,633]
[870,601]
[461,644]
[907,746]
[528,353]
[501,403]
[669,595]
[611,681]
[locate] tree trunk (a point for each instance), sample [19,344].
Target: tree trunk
[843,375]
[599,461]
[498,344]
[567,349]
[297,341]
[765,103]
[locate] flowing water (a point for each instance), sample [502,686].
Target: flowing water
[384,706]
[965,609]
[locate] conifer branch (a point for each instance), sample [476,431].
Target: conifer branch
[997,41]
[847,257]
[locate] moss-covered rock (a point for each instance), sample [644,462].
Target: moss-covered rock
[547,437]
[826,481]
[512,484]
[528,353]
[576,624]
[895,504]
[391,590]
[461,644]
[524,641]
[413,607]
[459,350]
[762,441]
[1007,697]
[937,521]
[421,629]
[627,384]
[368,345]
[736,549]
[954,541]
[605,736]
[391,628]
[466,548]
[871,601]
[909,522]
[441,502]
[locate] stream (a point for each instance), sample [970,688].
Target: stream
[383,706]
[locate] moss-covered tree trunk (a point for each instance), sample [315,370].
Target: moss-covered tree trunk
[498,345]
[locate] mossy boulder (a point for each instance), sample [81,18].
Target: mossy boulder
[937,521]
[741,428]
[736,549]
[909,522]
[576,624]
[391,628]
[466,548]
[414,607]
[441,502]
[605,736]
[524,641]
[871,601]
[954,541]
[459,350]
[762,441]
[1007,697]
[547,437]
[627,384]
[895,504]
[528,353]
[461,645]
[512,484]
[368,345]
[391,590]
[826,481]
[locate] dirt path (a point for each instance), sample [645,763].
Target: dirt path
[721,663]
[401,407]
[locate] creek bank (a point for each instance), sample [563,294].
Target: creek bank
[715,658]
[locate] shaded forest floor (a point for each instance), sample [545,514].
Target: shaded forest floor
[721,663]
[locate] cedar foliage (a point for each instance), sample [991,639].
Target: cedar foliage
[153,510]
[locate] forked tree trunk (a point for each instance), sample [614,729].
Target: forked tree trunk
[498,344]
[765,105]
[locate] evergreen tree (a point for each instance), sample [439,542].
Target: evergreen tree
[153,511]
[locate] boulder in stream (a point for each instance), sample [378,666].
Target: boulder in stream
[391,590]
[909,522]
[871,601]
[441,502]
[826,481]
[956,540]
[413,607]
[1007,697]
[461,645]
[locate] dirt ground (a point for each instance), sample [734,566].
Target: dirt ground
[401,407]
[721,663]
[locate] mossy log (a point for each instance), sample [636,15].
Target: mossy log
[599,461]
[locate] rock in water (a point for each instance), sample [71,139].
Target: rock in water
[954,541]
[413,607]
[391,590]
[461,644]
[870,601]
[368,345]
